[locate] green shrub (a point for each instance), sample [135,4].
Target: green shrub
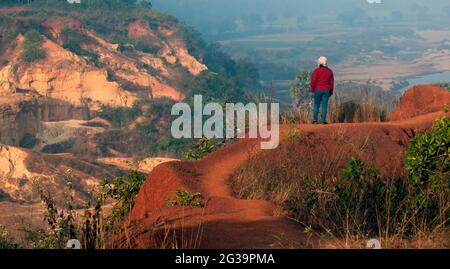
[15,68]
[5,241]
[185,198]
[201,148]
[300,90]
[59,147]
[124,191]
[31,48]
[444,84]
[7,32]
[119,116]
[61,223]
[359,203]
[150,70]
[428,168]
[365,199]
[194,43]
[216,88]
[28,141]
[73,40]
[94,228]
[3,62]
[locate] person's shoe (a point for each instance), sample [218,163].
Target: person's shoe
[315,122]
[324,123]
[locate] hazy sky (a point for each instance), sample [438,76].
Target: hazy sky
[313,8]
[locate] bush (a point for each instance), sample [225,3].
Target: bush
[5,241]
[359,203]
[428,168]
[61,224]
[7,33]
[191,37]
[216,88]
[300,90]
[119,116]
[363,200]
[185,198]
[3,62]
[31,48]
[124,191]
[28,141]
[73,40]
[94,228]
[351,102]
[60,147]
[201,148]
[444,85]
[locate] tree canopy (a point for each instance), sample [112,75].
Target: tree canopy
[85,3]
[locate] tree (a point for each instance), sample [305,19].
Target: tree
[247,75]
[31,47]
[146,3]
[20,2]
[300,89]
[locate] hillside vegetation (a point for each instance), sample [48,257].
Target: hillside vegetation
[120,60]
[87,89]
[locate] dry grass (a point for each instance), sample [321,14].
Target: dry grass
[305,188]
[173,237]
[350,103]
[435,240]
[163,234]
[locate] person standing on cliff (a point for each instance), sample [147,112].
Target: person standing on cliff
[322,86]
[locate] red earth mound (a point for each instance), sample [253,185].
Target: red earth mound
[421,100]
[228,222]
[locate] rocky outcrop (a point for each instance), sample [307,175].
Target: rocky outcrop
[66,86]
[145,166]
[47,106]
[24,114]
[23,171]
[7,85]
[65,76]
[116,79]
[75,136]
[173,49]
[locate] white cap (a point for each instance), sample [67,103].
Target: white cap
[322,60]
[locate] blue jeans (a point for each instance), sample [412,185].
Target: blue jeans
[321,97]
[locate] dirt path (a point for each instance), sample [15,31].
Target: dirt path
[229,222]
[226,221]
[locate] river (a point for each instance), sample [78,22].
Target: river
[426,79]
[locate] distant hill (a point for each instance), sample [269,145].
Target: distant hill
[102,55]
[121,60]
[86,84]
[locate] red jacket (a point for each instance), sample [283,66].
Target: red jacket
[322,79]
